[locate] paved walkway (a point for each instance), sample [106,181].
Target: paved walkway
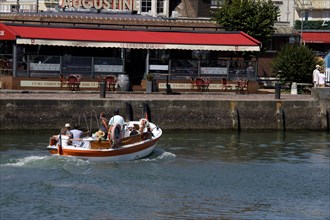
[87,95]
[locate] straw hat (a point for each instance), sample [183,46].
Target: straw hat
[100,133]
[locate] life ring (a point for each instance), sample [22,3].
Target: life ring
[115,134]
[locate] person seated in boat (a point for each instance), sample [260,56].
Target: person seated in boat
[104,124]
[68,128]
[100,136]
[144,126]
[77,134]
[116,119]
[65,135]
[132,130]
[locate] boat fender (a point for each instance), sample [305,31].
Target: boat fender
[115,134]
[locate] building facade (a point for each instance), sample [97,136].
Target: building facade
[160,15]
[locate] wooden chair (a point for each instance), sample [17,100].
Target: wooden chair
[199,84]
[225,85]
[73,82]
[206,84]
[242,86]
[111,81]
[63,81]
[99,80]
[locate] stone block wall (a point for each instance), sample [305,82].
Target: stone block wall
[169,114]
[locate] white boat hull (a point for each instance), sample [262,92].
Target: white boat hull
[130,147]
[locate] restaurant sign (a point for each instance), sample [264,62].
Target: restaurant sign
[121,5]
[53,84]
[214,70]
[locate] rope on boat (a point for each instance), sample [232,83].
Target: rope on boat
[88,128]
[97,119]
[90,123]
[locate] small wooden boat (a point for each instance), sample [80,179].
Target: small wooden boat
[121,146]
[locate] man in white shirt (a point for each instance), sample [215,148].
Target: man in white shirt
[316,73]
[116,119]
[322,79]
[76,135]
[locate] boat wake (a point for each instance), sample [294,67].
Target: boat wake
[159,154]
[25,161]
[69,163]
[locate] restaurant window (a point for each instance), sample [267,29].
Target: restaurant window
[146,5]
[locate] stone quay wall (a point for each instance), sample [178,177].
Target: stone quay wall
[172,113]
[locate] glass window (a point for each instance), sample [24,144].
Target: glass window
[160,6]
[146,5]
[214,3]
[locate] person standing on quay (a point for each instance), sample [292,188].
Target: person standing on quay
[322,78]
[316,74]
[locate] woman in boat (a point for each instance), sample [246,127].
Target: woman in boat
[132,131]
[104,123]
[144,125]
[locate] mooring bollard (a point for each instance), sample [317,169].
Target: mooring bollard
[102,89]
[277,90]
[294,90]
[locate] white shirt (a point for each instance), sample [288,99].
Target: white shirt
[76,133]
[117,119]
[321,77]
[316,74]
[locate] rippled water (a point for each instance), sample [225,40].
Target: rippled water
[191,175]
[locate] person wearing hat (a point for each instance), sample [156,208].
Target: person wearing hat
[132,130]
[100,135]
[67,126]
[116,119]
[316,74]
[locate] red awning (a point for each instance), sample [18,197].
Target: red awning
[316,37]
[79,37]
[6,33]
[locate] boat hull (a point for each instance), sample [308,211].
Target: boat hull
[131,148]
[107,155]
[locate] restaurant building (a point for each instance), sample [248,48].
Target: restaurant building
[38,48]
[41,49]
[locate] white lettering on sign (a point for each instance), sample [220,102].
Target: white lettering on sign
[121,5]
[186,86]
[44,66]
[142,46]
[54,84]
[2,33]
[214,70]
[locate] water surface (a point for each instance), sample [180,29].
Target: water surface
[190,175]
